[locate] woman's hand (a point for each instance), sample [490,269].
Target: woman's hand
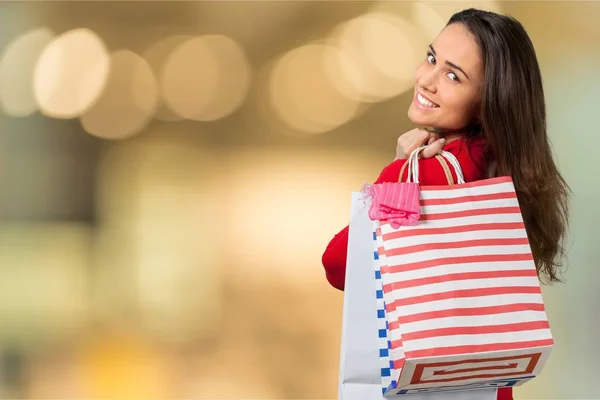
[415,138]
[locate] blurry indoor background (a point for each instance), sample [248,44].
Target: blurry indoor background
[171,172]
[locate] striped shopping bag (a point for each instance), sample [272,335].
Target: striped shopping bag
[462,298]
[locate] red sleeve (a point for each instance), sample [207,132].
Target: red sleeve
[334,259]
[432,173]
[504,394]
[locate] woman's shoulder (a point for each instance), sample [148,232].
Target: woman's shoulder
[470,153]
[464,145]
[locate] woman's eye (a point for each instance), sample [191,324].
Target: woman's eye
[431,58]
[453,76]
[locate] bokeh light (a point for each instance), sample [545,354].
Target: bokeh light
[206,78]
[376,57]
[122,365]
[17,65]
[302,94]
[70,74]
[428,20]
[127,102]
[157,56]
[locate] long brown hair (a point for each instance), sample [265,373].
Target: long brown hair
[512,119]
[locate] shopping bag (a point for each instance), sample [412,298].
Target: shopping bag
[463,299]
[365,371]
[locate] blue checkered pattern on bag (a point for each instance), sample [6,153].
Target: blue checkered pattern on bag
[386,364]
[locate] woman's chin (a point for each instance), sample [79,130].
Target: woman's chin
[421,119]
[418,118]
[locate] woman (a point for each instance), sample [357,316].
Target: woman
[480,89]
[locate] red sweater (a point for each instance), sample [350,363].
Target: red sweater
[469,154]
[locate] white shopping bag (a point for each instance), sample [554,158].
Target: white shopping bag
[360,360]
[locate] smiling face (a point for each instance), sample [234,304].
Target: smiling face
[448,82]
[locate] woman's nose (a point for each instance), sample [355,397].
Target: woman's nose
[428,80]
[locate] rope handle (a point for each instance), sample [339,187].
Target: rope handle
[412,164]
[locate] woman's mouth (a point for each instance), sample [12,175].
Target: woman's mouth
[423,102]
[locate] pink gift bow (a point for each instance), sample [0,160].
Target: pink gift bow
[394,202]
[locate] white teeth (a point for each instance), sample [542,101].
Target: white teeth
[425,102]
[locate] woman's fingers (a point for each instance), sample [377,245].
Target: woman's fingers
[433,148]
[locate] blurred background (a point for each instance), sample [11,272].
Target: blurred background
[171,172]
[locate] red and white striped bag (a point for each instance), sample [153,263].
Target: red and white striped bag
[461,291]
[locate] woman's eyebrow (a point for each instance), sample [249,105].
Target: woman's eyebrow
[449,63]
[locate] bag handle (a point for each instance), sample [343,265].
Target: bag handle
[454,162]
[413,166]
